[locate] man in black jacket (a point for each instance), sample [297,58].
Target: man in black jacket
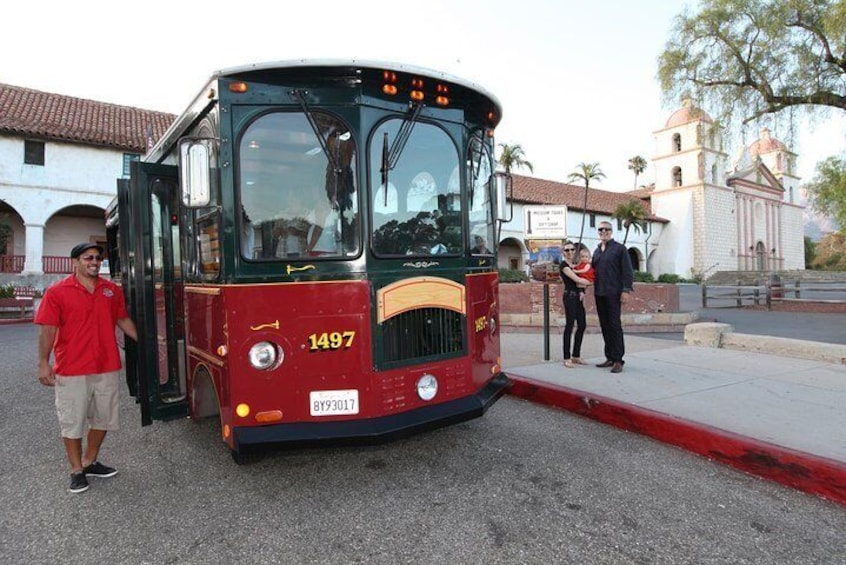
[614,282]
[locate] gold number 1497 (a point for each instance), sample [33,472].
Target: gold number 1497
[331,340]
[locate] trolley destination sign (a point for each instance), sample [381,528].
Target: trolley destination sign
[545,222]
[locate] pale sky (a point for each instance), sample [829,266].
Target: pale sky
[576,79]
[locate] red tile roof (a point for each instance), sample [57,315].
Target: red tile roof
[530,190]
[42,115]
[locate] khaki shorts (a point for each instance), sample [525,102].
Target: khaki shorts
[87,398]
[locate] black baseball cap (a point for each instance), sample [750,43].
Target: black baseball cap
[81,248]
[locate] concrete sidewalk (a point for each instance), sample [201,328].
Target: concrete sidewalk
[778,417]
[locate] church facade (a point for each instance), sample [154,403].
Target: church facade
[707,212]
[742,215]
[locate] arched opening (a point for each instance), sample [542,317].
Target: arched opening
[511,254]
[66,228]
[676,142]
[636,257]
[760,257]
[677,176]
[12,240]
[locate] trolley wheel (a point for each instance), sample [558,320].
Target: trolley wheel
[244,457]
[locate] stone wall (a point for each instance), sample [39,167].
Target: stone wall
[521,304]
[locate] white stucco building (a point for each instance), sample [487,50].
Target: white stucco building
[642,241]
[724,216]
[59,161]
[707,213]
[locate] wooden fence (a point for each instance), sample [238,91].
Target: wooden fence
[50,264]
[774,290]
[734,296]
[11,263]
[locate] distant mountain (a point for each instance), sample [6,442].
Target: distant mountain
[816,225]
[812,230]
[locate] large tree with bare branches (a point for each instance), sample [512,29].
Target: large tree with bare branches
[750,58]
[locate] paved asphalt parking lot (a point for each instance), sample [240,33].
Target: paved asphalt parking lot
[524,484]
[827,328]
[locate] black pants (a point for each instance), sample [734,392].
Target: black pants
[608,310]
[574,310]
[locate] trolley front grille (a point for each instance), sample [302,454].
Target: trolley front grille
[425,332]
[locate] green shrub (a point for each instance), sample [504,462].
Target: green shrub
[833,260]
[643,276]
[7,291]
[670,278]
[512,276]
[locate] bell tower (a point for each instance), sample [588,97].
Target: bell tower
[689,150]
[690,191]
[780,161]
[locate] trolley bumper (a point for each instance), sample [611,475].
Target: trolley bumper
[376,430]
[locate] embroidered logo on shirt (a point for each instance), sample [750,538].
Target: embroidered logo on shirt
[107,292]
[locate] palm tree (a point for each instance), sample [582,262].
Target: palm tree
[638,165]
[513,156]
[585,172]
[632,214]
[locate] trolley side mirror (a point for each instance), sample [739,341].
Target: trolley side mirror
[502,197]
[194,166]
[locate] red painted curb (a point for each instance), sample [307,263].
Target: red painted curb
[6,321]
[803,471]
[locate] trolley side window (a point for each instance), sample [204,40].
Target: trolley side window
[479,173]
[294,201]
[209,247]
[419,212]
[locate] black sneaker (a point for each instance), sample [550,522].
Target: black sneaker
[78,483]
[97,469]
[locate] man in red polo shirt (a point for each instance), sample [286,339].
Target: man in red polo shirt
[77,318]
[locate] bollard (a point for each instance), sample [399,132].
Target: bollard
[546,321]
[774,282]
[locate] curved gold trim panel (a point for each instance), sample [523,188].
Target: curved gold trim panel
[419,292]
[290,269]
[274,325]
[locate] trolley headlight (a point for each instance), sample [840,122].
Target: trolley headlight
[427,387]
[264,355]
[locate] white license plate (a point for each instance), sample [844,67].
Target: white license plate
[333,402]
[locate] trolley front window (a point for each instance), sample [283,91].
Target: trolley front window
[294,202]
[419,212]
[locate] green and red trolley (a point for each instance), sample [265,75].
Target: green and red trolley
[309,254]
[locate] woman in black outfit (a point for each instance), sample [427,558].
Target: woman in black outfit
[574,307]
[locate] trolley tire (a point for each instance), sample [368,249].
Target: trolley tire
[244,457]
